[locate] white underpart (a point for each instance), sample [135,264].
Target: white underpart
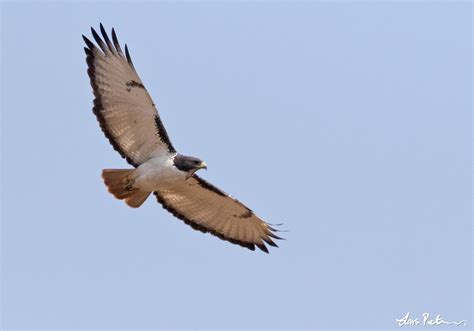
[158,173]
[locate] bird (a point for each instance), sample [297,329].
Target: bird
[130,121]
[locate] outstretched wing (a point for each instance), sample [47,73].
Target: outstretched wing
[206,208]
[122,105]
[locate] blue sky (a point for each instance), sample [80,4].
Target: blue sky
[350,122]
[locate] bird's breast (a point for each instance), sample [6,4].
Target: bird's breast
[158,173]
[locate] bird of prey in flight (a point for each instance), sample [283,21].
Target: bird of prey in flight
[129,119]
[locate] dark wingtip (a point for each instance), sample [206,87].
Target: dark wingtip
[106,38]
[87,51]
[277,230]
[89,43]
[270,242]
[99,40]
[275,236]
[94,33]
[262,247]
[129,59]
[270,232]
[115,40]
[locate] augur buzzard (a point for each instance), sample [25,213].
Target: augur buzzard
[129,119]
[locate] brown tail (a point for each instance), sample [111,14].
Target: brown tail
[120,183]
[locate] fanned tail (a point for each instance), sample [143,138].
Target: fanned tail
[120,182]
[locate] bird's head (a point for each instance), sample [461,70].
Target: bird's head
[188,164]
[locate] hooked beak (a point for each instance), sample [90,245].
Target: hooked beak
[202,165]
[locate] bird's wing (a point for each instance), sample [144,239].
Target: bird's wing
[123,107]
[206,208]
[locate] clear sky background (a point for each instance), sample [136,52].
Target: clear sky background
[350,122]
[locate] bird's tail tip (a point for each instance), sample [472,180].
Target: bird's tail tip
[120,182]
